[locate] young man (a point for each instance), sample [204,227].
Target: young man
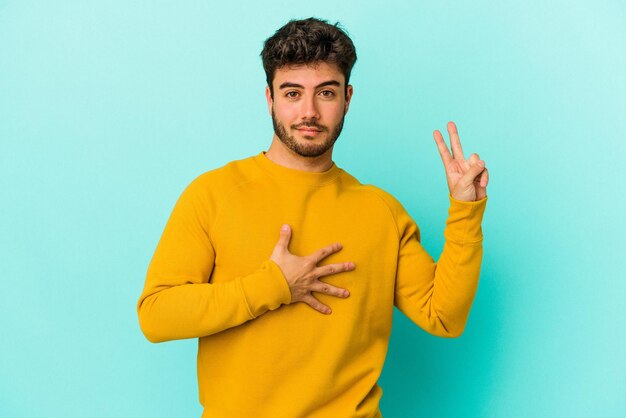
[298,326]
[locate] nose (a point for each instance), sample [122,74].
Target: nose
[309,108]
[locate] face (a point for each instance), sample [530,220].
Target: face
[308,107]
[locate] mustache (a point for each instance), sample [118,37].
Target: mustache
[309,125]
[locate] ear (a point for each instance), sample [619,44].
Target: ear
[270,101]
[349,92]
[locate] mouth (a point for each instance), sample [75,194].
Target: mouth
[309,130]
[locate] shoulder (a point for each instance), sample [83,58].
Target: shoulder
[221,180]
[209,189]
[376,195]
[388,204]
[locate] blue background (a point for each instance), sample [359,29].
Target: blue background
[109,109]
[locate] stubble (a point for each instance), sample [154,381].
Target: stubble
[307,149]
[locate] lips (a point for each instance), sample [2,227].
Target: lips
[309,129]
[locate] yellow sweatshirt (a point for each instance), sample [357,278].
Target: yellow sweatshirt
[260,356]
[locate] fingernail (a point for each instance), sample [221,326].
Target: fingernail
[346,294]
[481,163]
[285,227]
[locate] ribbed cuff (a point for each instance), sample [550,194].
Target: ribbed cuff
[464,220]
[265,289]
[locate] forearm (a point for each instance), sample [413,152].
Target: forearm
[437,296]
[196,310]
[455,283]
[458,269]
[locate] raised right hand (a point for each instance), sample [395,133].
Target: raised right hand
[302,273]
[467,179]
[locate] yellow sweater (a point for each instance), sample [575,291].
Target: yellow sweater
[259,356]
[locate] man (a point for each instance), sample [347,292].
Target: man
[299,326]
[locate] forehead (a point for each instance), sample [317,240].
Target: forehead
[308,74]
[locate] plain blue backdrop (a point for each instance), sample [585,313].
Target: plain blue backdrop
[109,109]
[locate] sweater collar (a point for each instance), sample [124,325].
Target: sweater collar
[290,175]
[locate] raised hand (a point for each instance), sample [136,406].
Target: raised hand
[467,179]
[302,273]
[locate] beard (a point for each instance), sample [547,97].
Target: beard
[308,149]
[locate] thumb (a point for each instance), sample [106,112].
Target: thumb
[473,172]
[285,237]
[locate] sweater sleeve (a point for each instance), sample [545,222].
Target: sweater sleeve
[178,301]
[438,296]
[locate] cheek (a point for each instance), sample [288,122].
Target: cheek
[335,113]
[285,114]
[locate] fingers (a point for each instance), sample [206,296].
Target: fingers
[284,238]
[442,147]
[324,252]
[481,188]
[484,179]
[455,142]
[471,174]
[316,304]
[333,269]
[327,289]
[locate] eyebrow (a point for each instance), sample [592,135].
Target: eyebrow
[325,83]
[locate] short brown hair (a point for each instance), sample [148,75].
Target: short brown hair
[305,42]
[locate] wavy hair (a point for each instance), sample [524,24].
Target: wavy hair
[308,41]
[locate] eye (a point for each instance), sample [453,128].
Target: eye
[291,94]
[327,93]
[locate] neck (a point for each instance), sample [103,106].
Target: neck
[282,155]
